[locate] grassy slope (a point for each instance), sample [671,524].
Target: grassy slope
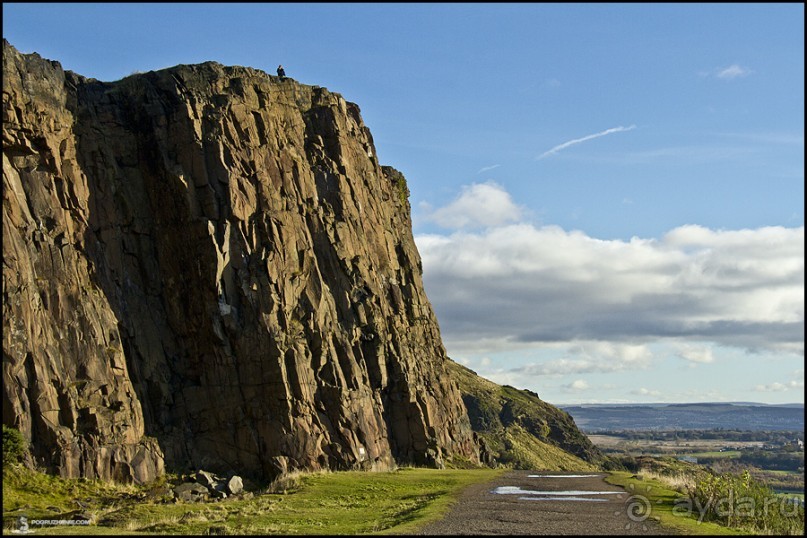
[352,502]
[665,480]
[520,429]
[661,500]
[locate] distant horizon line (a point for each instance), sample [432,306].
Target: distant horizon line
[614,404]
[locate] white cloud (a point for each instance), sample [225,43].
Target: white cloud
[733,71]
[584,139]
[515,284]
[695,354]
[727,73]
[480,204]
[645,392]
[488,168]
[780,387]
[773,387]
[591,357]
[795,383]
[576,385]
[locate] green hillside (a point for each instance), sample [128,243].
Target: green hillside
[521,430]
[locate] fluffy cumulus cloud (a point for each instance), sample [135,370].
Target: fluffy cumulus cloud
[479,205]
[590,358]
[516,284]
[576,386]
[780,387]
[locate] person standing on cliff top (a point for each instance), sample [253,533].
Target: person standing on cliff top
[281,72]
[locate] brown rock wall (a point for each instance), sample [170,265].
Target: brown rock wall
[208,266]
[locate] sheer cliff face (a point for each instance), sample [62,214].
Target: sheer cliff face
[206,267]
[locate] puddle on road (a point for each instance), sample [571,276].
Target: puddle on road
[552,495]
[562,475]
[586,499]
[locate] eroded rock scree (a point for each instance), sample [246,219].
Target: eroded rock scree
[206,267]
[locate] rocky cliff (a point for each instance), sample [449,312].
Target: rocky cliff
[520,430]
[205,266]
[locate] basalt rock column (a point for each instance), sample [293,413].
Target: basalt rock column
[207,267]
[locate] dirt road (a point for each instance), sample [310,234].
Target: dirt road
[532,502]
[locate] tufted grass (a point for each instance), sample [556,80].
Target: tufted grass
[349,502]
[661,497]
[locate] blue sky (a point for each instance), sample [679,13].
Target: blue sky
[608,198]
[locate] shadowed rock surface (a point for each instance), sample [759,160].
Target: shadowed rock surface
[206,267]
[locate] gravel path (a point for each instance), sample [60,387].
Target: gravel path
[531,502]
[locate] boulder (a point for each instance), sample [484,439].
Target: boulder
[235,485]
[207,479]
[191,492]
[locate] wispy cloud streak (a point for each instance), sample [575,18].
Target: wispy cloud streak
[565,145]
[488,168]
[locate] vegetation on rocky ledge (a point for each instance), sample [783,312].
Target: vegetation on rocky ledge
[521,430]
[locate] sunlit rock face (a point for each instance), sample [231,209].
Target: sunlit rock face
[206,267]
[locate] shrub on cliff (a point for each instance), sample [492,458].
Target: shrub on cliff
[13,445]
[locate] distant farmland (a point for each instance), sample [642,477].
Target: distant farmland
[704,416]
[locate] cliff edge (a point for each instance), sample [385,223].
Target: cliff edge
[205,266]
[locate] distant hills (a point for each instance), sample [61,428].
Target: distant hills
[688,416]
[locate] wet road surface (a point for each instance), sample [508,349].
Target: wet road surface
[540,502]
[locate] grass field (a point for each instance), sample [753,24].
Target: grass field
[610,442]
[716,454]
[661,502]
[335,503]
[784,473]
[328,503]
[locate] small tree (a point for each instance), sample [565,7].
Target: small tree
[13,445]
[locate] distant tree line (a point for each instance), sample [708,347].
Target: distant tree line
[777,461]
[778,436]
